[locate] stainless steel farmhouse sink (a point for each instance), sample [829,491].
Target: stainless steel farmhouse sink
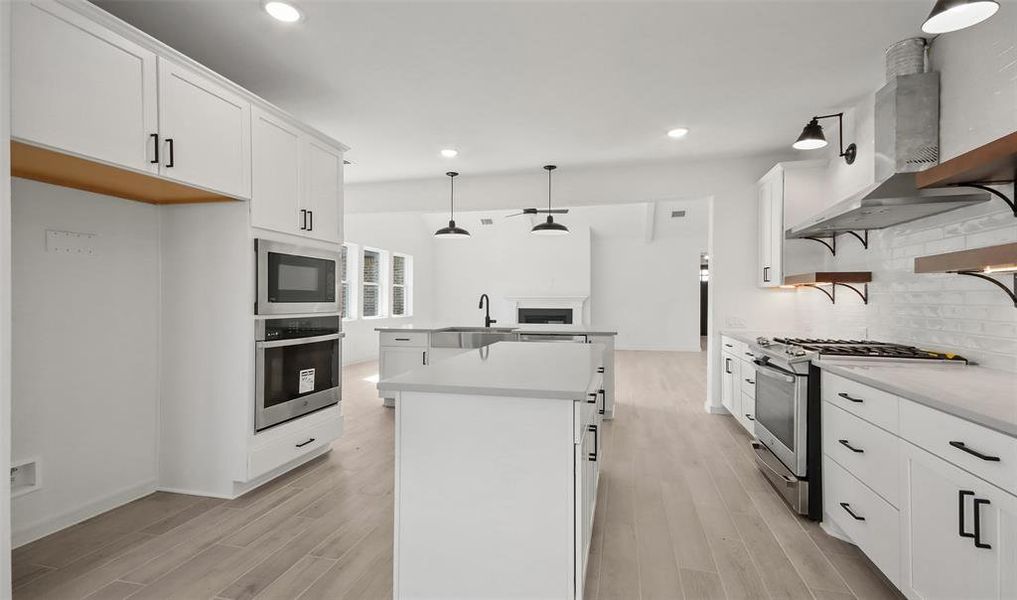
[471,337]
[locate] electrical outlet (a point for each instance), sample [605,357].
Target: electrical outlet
[70,242]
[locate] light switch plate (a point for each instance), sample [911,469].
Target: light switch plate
[70,242]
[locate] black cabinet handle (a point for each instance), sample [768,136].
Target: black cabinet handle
[303,220]
[846,396]
[172,161]
[594,396]
[727,366]
[402,339]
[749,417]
[599,369]
[847,507]
[750,355]
[596,443]
[750,382]
[155,146]
[979,502]
[423,358]
[305,443]
[963,446]
[847,445]
[603,404]
[766,274]
[310,220]
[728,346]
[961,494]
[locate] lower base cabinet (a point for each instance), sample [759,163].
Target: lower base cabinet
[959,533]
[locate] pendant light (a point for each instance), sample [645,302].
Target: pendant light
[953,15]
[452,231]
[549,227]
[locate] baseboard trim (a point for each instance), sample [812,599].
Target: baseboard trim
[715,409]
[187,492]
[24,534]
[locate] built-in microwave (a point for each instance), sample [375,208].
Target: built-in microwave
[295,279]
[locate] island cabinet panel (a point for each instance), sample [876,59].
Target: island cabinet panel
[81,88]
[484,497]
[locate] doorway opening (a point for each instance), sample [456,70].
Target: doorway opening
[704,298]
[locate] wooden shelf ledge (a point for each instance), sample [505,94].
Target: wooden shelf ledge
[49,166]
[983,260]
[828,277]
[995,162]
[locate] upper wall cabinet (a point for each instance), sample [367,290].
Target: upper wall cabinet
[81,88]
[787,192]
[297,180]
[205,132]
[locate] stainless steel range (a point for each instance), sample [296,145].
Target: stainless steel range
[787,419]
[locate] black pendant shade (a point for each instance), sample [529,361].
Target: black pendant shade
[549,227]
[812,137]
[452,231]
[954,15]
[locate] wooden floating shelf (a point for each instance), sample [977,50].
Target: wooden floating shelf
[986,260]
[995,162]
[828,277]
[49,166]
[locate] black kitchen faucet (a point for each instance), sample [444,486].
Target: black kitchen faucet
[487,313]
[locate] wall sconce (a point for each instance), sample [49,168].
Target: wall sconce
[812,138]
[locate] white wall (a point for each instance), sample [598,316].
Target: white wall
[85,354]
[978,104]
[5,299]
[404,233]
[735,299]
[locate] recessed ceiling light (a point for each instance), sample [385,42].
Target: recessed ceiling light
[678,132]
[283,11]
[449,153]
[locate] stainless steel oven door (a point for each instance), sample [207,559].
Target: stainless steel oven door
[295,279]
[296,377]
[781,404]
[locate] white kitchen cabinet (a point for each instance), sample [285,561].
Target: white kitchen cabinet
[731,396]
[81,88]
[587,472]
[323,188]
[205,132]
[771,228]
[789,192]
[941,557]
[276,174]
[400,357]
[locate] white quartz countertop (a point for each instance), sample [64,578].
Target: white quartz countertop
[549,329]
[518,369]
[984,396]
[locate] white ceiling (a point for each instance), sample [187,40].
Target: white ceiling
[514,85]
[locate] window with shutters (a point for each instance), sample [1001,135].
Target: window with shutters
[372,301]
[402,284]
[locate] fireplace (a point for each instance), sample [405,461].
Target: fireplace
[557,316]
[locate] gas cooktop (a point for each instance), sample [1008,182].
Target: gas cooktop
[864,349]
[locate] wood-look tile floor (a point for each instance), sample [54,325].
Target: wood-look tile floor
[682,514]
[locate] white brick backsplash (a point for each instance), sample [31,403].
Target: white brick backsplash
[946,312]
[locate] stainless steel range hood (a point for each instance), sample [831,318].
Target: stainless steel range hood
[906,141]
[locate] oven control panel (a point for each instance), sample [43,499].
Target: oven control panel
[296,327]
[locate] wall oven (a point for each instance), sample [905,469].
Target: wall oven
[295,279]
[297,366]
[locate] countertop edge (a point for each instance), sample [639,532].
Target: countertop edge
[467,390]
[1007,428]
[514,330]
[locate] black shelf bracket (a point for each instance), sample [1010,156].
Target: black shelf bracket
[832,292]
[831,242]
[994,192]
[1012,293]
[831,245]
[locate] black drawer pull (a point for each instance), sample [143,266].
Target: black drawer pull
[749,417]
[847,445]
[594,396]
[979,502]
[750,382]
[402,339]
[155,136]
[603,405]
[728,346]
[305,443]
[727,366]
[846,396]
[596,443]
[847,507]
[600,369]
[963,446]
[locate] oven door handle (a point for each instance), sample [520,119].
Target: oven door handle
[773,372]
[298,341]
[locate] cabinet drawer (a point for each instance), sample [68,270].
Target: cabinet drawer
[875,406]
[748,378]
[747,413]
[867,519]
[735,347]
[961,442]
[292,446]
[416,339]
[864,450]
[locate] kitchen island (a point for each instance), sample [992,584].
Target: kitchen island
[497,461]
[401,349]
